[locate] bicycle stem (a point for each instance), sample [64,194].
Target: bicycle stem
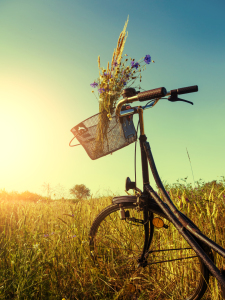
[183,224]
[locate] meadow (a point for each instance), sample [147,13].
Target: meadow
[44,244]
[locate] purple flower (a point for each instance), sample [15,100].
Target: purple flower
[123,82]
[147,59]
[115,63]
[134,65]
[101,90]
[187,200]
[94,84]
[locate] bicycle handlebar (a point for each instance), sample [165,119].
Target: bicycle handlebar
[151,94]
[185,90]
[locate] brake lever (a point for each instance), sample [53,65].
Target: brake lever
[173,99]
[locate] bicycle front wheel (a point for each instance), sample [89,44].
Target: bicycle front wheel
[174,271]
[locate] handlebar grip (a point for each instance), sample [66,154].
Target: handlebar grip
[188,89]
[151,94]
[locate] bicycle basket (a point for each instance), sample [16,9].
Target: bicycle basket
[118,133]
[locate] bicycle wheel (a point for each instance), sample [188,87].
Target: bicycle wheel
[174,271]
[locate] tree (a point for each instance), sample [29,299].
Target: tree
[80,191]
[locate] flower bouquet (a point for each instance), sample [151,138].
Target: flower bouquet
[111,82]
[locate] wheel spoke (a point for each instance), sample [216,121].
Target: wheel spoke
[162,261]
[112,224]
[173,270]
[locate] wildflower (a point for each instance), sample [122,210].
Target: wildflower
[101,90]
[94,84]
[132,63]
[147,59]
[187,199]
[136,65]
[113,80]
[128,75]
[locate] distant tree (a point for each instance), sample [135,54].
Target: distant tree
[80,191]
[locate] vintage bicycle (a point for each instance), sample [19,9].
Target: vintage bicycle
[143,239]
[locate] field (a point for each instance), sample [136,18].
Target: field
[44,250]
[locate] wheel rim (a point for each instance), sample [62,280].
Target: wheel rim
[116,246]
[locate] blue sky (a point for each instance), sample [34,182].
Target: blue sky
[48,58]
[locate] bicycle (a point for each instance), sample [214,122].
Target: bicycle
[123,242]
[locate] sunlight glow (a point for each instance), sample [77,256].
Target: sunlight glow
[21,106]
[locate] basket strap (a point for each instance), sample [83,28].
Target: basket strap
[73,145]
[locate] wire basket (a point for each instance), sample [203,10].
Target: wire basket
[119,132]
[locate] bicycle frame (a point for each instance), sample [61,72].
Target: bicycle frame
[182,223]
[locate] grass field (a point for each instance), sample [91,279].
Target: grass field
[44,244]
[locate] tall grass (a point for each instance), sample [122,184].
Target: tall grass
[44,245]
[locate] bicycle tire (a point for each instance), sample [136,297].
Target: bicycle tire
[169,280]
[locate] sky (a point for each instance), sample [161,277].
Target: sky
[48,59]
